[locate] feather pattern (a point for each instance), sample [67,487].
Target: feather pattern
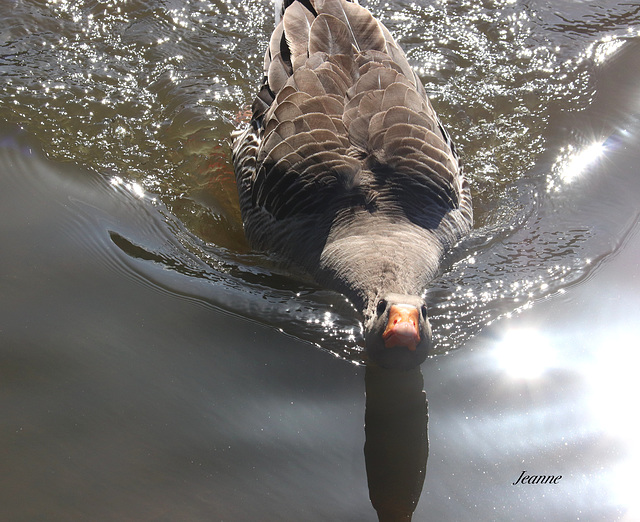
[296,28]
[345,169]
[329,35]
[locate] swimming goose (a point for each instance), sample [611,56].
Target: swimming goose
[346,172]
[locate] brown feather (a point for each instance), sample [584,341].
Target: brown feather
[282,149]
[331,83]
[367,66]
[395,95]
[377,78]
[262,102]
[297,25]
[400,130]
[349,116]
[301,124]
[299,62]
[441,154]
[337,75]
[285,92]
[346,64]
[284,129]
[404,115]
[371,103]
[305,80]
[274,44]
[426,173]
[287,111]
[353,99]
[319,120]
[371,55]
[328,139]
[329,35]
[278,73]
[375,130]
[364,31]
[359,132]
[296,97]
[404,154]
[398,56]
[327,104]
[316,59]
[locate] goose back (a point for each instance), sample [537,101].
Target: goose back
[344,160]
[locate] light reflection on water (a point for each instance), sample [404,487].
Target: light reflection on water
[524,354]
[557,396]
[606,366]
[572,163]
[612,374]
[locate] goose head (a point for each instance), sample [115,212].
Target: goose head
[397,331]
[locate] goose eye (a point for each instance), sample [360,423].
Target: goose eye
[423,311]
[382,306]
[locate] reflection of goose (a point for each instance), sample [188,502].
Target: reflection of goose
[397,445]
[346,172]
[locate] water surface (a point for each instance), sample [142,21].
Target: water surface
[155,368]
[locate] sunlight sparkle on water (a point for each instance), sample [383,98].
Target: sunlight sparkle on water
[524,353]
[614,387]
[577,162]
[613,375]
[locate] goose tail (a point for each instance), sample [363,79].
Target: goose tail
[281,6]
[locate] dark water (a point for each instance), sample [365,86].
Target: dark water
[153,368]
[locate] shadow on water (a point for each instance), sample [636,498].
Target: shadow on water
[397,443]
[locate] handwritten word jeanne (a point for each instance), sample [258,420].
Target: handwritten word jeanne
[537,479]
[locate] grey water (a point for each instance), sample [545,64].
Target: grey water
[153,367]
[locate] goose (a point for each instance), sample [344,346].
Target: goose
[346,173]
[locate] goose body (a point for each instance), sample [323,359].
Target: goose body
[346,172]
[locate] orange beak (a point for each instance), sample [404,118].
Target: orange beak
[402,328]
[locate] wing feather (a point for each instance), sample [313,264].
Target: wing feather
[364,30]
[329,35]
[297,26]
[341,112]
